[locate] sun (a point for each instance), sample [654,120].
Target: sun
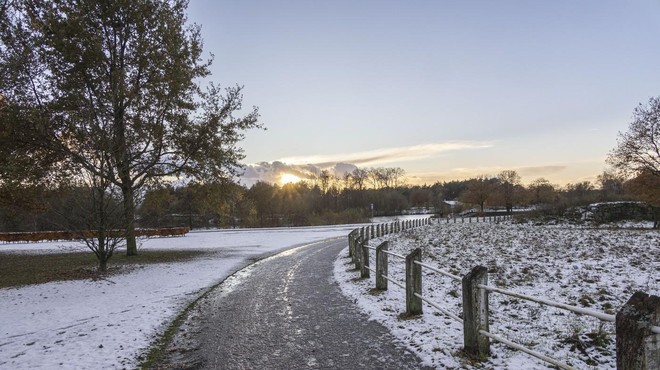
[288,178]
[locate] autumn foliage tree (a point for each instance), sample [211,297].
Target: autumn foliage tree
[645,188]
[117,83]
[478,191]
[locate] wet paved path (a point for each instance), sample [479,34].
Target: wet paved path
[285,312]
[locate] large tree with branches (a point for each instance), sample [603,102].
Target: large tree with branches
[637,155]
[638,149]
[113,89]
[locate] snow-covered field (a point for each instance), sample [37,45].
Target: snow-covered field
[595,268]
[107,324]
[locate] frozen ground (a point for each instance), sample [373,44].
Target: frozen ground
[595,268]
[109,323]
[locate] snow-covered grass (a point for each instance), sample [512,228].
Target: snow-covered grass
[595,268]
[109,323]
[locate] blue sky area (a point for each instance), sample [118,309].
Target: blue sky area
[443,89]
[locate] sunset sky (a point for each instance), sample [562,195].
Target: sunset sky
[443,89]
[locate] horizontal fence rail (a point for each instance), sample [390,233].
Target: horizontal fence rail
[475,290]
[48,236]
[579,310]
[457,278]
[396,255]
[528,351]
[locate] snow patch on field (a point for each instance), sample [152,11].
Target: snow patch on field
[594,268]
[109,323]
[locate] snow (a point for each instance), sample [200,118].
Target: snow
[598,269]
[109,323]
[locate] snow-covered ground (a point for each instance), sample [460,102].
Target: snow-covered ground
[595,268]
[103,324]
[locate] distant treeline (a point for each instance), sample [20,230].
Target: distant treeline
[324,200]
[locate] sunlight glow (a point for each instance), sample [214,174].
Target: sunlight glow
[288,178]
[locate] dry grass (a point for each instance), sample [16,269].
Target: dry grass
[18,269]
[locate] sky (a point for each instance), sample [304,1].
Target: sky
[442,89]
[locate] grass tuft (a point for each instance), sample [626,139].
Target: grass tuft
[20,269]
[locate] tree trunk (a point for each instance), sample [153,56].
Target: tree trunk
[129,220]
[102,250]
[103,263]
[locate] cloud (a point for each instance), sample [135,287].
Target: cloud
[540,170]
[307,167]
[528,173]
[388,155]
[272,171]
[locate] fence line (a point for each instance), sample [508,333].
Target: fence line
[489,219]
[635,322]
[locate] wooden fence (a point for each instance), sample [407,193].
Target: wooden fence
[637,322]
[39,236]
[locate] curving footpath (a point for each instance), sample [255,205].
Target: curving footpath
[285,312]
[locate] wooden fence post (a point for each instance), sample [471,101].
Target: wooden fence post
[637,347]
[364,267]
[357,253]
[413,282]
[350,245]
[475,313]
[381,266]
[351,241]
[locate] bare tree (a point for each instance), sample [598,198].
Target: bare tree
[509,180]
[359,177]
[325,179]
[395,176]
[376,176]
[95,217]
[611,185]
[638,149]
[106,233]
